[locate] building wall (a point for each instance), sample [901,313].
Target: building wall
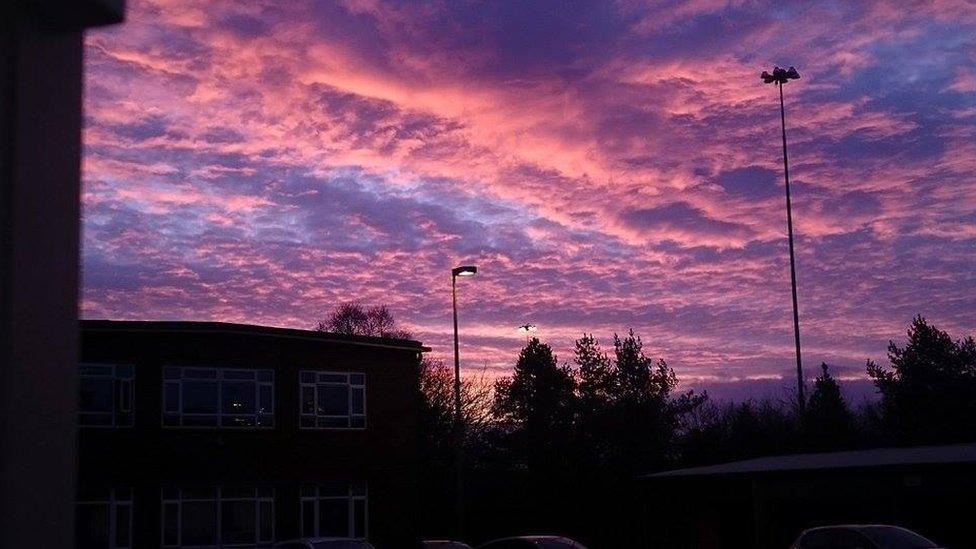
[149,456]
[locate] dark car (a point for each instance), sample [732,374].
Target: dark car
[861,536]
[533,542]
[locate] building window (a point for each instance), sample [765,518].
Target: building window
[105,395]
[337,510]
[332,400]
[103,519]
[218,397]
[218,517]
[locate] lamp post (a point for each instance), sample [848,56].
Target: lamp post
[463,270]
[779,77]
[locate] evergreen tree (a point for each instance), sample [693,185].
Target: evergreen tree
[929,393]
[828,423]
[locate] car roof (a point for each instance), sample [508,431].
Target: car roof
[857,527]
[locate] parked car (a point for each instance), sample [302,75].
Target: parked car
[861,536]
[533,542]
[443,544]
[324,543]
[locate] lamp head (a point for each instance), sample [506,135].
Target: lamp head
[526,328]
[464,270]
[780,75]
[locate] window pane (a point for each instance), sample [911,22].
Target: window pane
[199,396]
[333,378]
[359,518]
[265,421]
[237,522]
[358,401]
[265,521]
[200,373]
[199,421]
[238,374]
[91,526]
[123,516]
[265,405]
[333,400]
[125,395]
[171,420]
[238,397]
[333,422]
[308,400]
[171,397]
[199,523]
[306,421]
[124,371]
[265,375]
[171,373]
[96,395]
[93,370]
[308,518]
[171,524]
[357,379]
[308,377]
[237,421]
[334,517]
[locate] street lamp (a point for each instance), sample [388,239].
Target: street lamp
[779,77]
[465,271]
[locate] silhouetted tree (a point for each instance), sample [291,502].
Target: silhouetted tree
[357,319]
[538,402]
[828,423]
[929,393]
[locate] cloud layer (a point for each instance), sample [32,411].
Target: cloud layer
[606,164]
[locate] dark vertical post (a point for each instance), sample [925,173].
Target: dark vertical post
[458,424]
[41,50]
[789,226]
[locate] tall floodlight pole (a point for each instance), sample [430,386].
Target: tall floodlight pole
[779,77]
[464,270]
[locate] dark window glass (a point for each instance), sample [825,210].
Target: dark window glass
[333,422]
[358,401]
[896,538]
[124,371]
[199,523]
[307,422]
[265,404]
[359,518]
[171,420]
[171,533]
[334,517]
[265,421]
[199,373]
[238,374]
[92,526]
[266,521]
[125,395]
[199,397]
[308,519]
[333,378]
[199,421]
[172,397]
[308,400]
[123,516]
[357,379]
[265,375]
[308,377]
[238,397]
[171,373]
[237,522]
[96,395]
[237,421]
[333,400]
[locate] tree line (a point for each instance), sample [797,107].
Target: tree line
[557,445]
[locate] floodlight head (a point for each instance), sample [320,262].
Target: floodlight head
[767,78]
[526,328]
[792,74]
[464,270]
[780,75]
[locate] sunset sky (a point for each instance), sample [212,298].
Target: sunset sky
[606,164]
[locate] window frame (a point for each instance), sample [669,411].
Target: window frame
[351,497]
[321,382]
[119,384]
[217,498]
[219,378]
[114,502]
